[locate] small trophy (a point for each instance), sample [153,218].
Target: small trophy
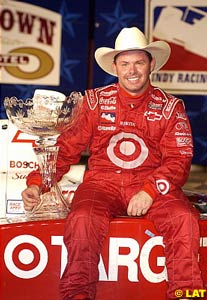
[46,115]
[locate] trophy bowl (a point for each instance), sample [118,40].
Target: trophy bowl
[46,115]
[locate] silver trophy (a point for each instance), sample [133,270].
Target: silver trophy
[46,115]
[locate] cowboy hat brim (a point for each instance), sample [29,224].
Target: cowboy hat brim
[159,50]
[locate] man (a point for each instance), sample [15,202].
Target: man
[140,146]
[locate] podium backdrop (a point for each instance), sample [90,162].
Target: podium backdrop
[87,25]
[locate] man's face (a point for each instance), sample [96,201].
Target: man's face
[133,69]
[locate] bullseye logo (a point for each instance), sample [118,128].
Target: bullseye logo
[163,186]
[26,256]
[127,150]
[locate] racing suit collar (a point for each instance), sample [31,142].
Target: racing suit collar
[129,100]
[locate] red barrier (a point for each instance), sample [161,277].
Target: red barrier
[132,264]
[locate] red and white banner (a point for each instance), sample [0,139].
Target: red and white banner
[183,24]
[30,44]
[132,261]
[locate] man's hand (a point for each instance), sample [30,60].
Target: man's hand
[31,197]
[139,204]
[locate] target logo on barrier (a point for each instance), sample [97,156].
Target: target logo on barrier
[26,256]
[127,150]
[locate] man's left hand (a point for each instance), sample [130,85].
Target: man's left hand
[139,204]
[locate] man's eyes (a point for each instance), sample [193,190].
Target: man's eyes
[141,62]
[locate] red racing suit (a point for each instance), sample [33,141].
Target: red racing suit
[135,144]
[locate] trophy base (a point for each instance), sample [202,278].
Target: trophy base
[45,216]
[28,216]
[52,206]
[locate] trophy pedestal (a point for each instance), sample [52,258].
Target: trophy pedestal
[50,207]
[52,204]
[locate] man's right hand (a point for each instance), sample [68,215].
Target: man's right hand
[31,197]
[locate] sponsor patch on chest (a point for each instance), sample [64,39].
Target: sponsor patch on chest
[107,117]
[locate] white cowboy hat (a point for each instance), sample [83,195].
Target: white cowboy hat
[132,39]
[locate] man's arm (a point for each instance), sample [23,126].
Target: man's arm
[176,147]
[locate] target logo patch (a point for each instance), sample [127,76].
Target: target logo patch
[127,150]
[162,186]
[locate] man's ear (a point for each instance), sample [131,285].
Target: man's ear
[114,68]
[152,65]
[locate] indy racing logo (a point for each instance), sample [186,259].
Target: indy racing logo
[183,25]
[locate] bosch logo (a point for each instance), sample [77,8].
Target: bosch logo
[23,164]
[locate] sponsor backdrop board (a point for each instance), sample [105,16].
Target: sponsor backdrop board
[183,25]
[68,32]
[30,44]
[44,45]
